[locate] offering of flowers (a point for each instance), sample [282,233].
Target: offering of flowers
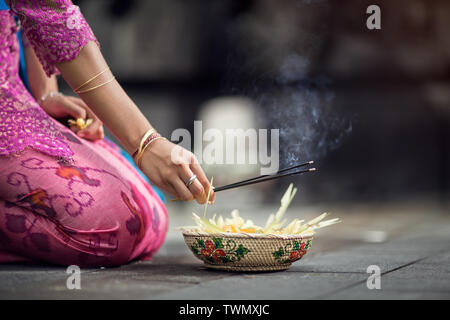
[275,223]
[80,123]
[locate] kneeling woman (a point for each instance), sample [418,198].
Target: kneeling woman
[70,196]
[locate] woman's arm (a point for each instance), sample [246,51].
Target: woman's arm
[110,102]
[40,84]
[57,105]
[124,119]
[62,39]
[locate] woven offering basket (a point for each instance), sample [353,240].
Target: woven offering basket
[245,251]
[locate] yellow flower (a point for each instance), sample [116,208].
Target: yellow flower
[80,123]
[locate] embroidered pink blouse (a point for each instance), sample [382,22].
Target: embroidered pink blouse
[57,31]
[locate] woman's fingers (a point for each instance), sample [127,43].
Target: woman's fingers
[182,191]
[198,191]
[95,130]
[59,107]
[71,109]
[195,187]
[195,167]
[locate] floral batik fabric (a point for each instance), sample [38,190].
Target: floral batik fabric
[63,199]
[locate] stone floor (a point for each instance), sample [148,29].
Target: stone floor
[409,242]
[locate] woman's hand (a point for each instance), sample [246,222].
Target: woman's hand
[169,167]
[60,106]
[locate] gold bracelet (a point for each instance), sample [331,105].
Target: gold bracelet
[139,156]
[96,87]
[144,137]
[91,79]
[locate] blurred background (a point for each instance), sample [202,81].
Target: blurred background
[370,107]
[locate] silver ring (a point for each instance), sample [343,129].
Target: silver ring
[191,180]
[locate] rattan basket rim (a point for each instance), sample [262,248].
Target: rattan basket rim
[196,233]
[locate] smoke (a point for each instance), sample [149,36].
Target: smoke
[278,48]
[302,106]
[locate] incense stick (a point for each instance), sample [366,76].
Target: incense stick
[263,178]
[277,176]
[269,175]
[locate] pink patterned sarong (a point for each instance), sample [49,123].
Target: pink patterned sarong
[98,212]
[64,200]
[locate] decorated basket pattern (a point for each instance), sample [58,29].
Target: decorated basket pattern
[247,252]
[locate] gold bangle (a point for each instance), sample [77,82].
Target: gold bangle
[139,156]
[141,144]
[91,79]
[96,87]
[144,137]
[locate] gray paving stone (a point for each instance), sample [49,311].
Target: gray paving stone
[94,286]
[17,279]
[165,270]
[276,286]
[353,262]
[426,279]
[134,280]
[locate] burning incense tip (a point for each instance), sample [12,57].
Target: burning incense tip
[312,169]
[311,162]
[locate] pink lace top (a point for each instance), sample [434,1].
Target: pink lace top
[57,31]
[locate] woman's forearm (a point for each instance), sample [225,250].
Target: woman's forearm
[109,102]
[40,84]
